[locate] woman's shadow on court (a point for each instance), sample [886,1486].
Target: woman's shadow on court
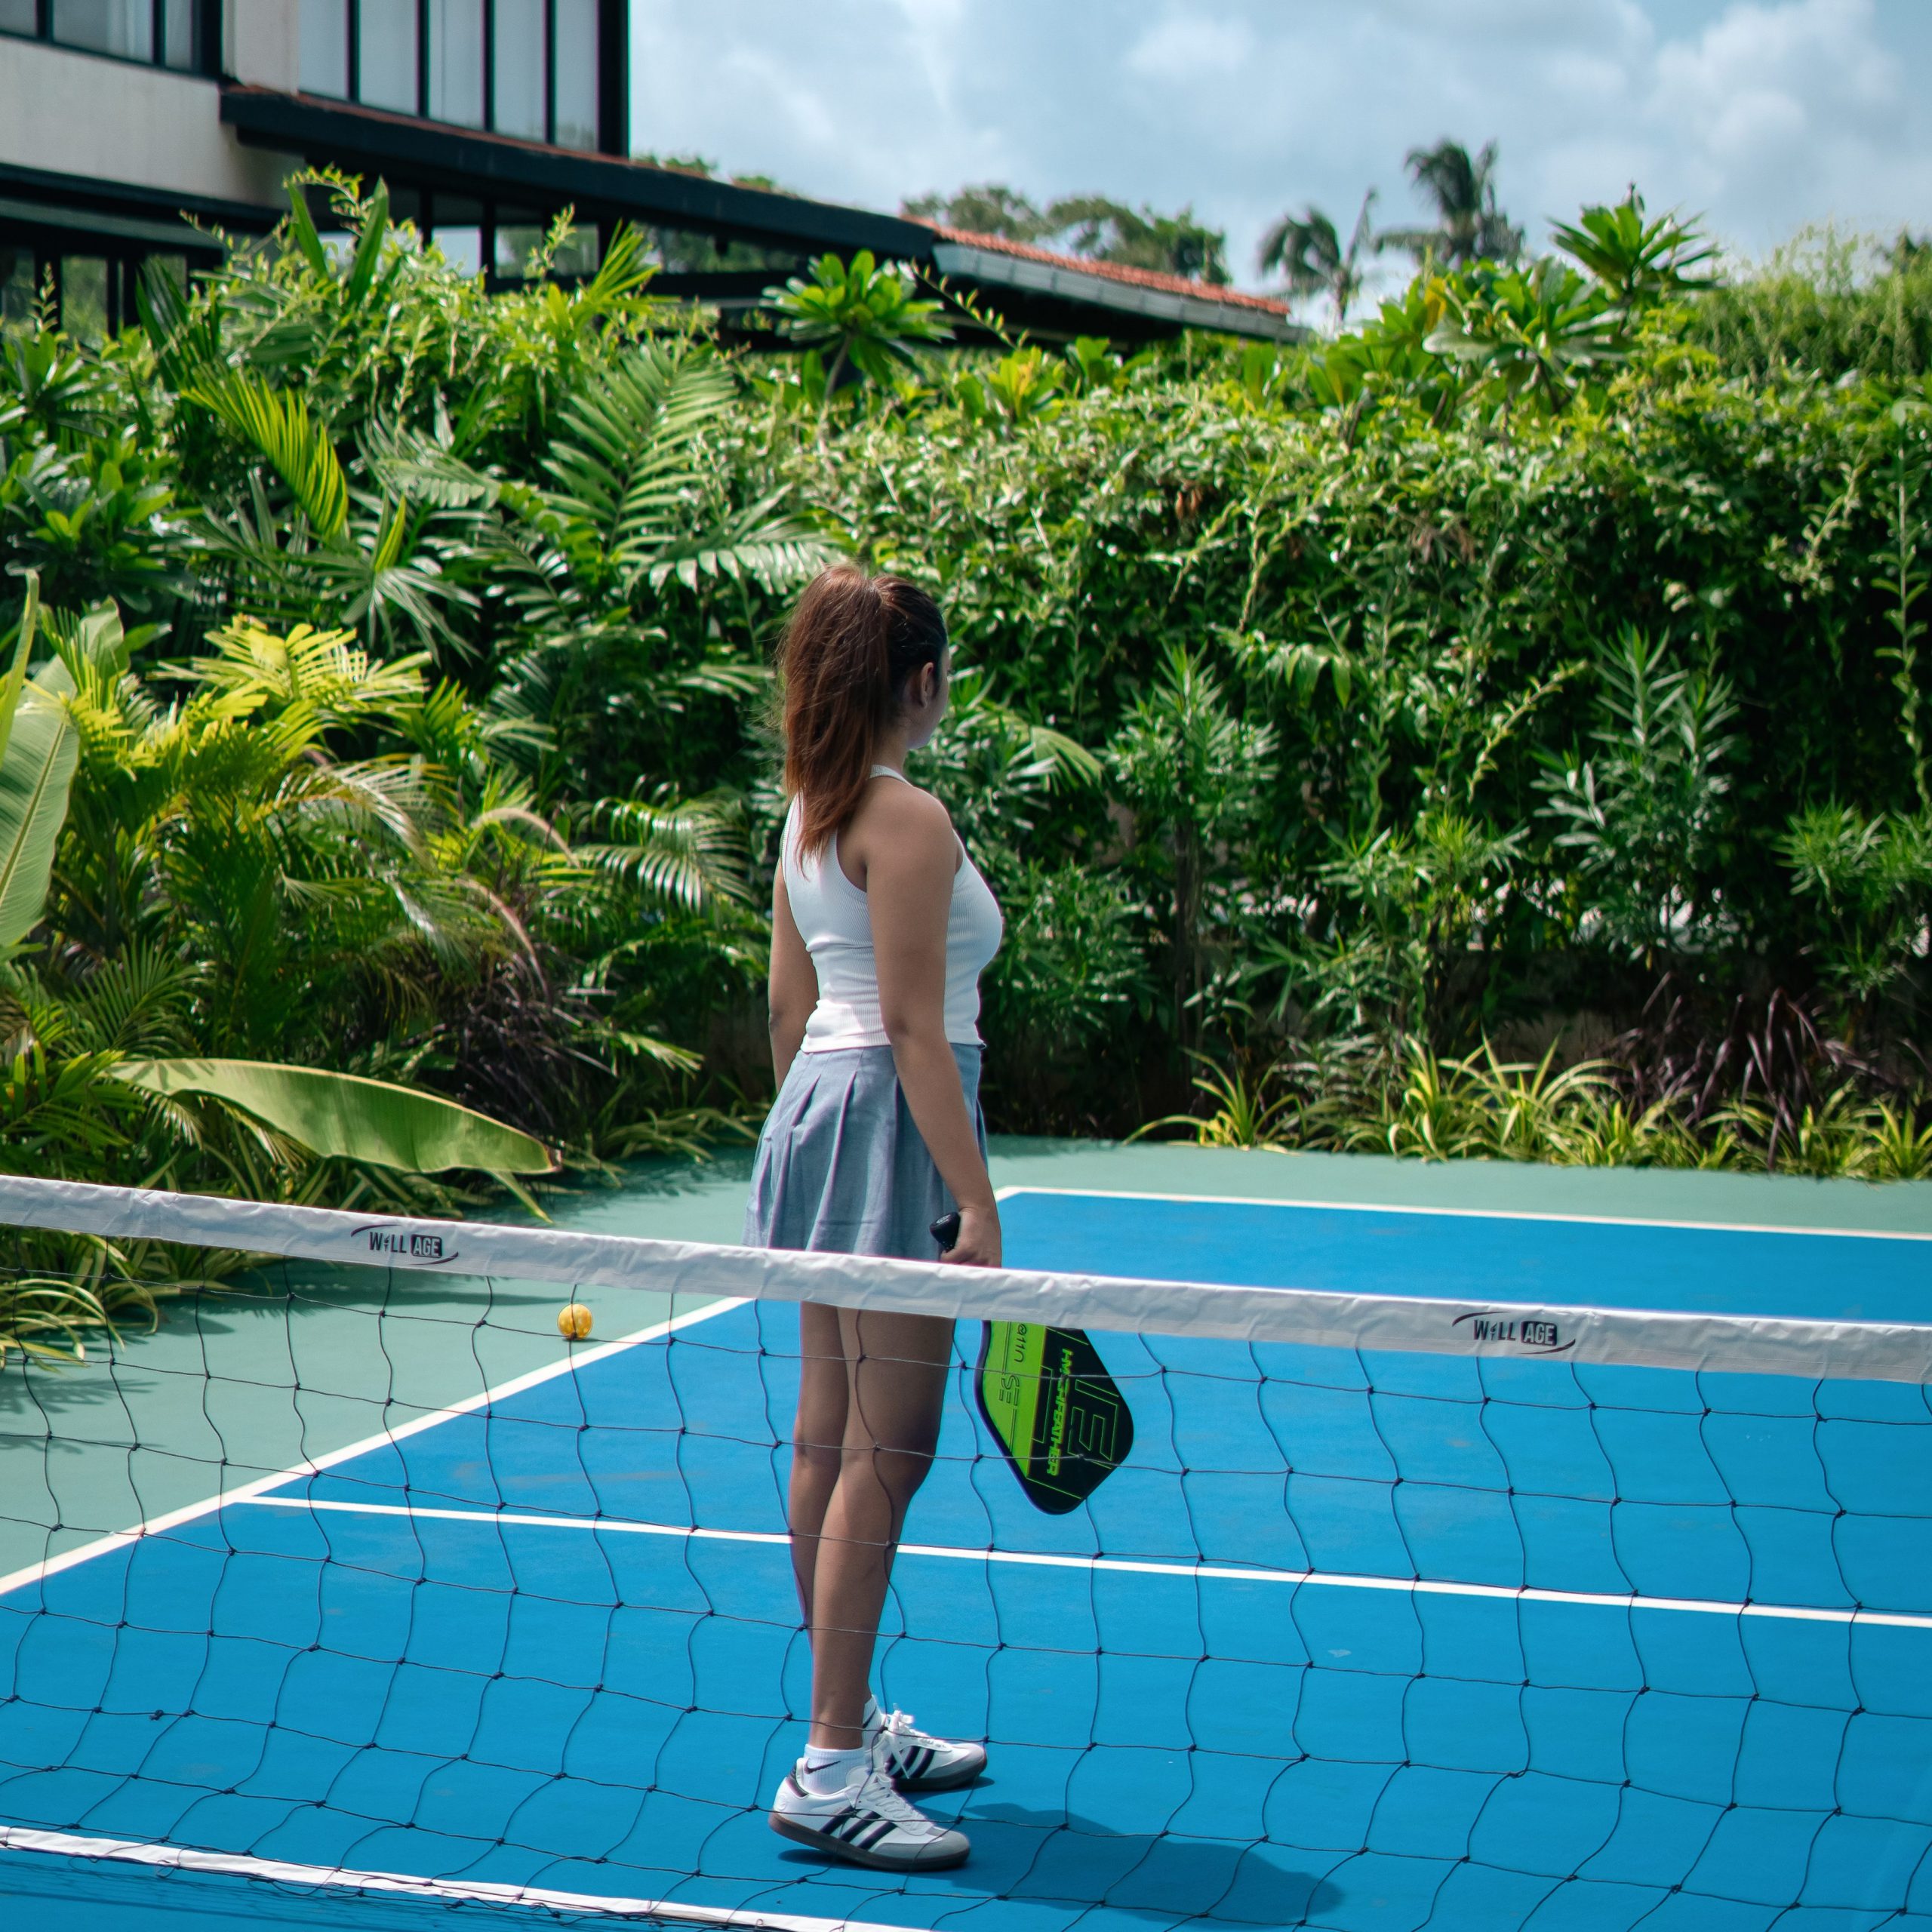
[1053,1857]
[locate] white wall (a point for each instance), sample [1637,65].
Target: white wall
[68,113]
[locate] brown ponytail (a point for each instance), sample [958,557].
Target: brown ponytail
[853,643]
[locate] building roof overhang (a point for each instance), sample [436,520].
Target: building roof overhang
[1032,288]
[1166,303]
[599,185]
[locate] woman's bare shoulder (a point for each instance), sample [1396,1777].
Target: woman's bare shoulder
[902,811]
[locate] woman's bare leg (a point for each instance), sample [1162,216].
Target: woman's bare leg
[897,1365]
[818,1438]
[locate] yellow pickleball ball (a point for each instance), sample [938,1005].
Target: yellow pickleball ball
[573,1322]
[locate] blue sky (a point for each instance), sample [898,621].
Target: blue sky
[1766,115]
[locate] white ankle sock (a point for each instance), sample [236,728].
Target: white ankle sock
[824,1773]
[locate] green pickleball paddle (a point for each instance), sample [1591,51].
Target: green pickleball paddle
[1063,1425]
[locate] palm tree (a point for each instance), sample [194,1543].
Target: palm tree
[1308,251]
[1469,225]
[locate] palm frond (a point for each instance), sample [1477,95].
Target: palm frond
[277,423]
[425,469]
[623,454]
[761,541]
[689,853]
[135,1003]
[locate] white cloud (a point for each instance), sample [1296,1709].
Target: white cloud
[1766,114]
[1191,47]
[1776,115]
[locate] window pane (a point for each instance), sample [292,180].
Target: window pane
[522,64]
[107,26]
[576,73]
[16,286]
[325,47]
[177,27]
[388,63]
[456,61]
[514,247]
[519,233]
[458,231]
[578,256]
[19,16]
[461,248]
[84,298]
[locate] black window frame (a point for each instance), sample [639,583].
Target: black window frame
[125,262]
[613,83]
[203,60]
[427,207]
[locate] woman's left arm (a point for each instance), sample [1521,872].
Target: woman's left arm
[911,852]
[793,985]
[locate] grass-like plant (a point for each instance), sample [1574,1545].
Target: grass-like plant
[1479,1106]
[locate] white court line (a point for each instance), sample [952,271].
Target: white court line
[182,1858]
[1472,1213]
[1322,1579]
[84,1553]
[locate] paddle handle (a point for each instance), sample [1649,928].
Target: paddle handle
[946,1231]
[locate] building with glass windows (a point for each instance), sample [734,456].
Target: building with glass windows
[134,129]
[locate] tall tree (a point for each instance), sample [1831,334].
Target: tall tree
[1470,226]
[1308,251]
[990,207]
[1110,231]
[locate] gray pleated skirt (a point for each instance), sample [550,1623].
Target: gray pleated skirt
[841,1168]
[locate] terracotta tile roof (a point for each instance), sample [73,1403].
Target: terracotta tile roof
[1170,284]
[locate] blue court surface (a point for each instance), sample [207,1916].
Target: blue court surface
[1363,1642]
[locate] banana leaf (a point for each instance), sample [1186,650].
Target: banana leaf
[36,773]
[345,1115]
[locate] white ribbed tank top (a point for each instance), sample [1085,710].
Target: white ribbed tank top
[836,922]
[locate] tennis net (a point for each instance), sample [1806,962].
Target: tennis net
[1275,1607]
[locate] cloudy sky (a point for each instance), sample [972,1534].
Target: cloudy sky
[1768,114]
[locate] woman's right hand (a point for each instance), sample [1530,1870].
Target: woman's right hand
[978,1243]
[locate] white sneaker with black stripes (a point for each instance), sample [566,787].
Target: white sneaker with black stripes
[915,1761]
[867,1823]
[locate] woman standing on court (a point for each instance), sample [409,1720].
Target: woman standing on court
[881,927]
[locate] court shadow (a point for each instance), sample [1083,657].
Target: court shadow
[27,1387]
[432,1309]
[1056,1858]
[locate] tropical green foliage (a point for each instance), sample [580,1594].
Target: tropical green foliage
[1481,1107]
[867,316]
[212,877]
[1537,668]
[1828,304]
[1470,675]
[1639,261]
[1469,226]
[307,891]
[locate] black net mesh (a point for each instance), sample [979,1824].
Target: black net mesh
[1352,1638]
